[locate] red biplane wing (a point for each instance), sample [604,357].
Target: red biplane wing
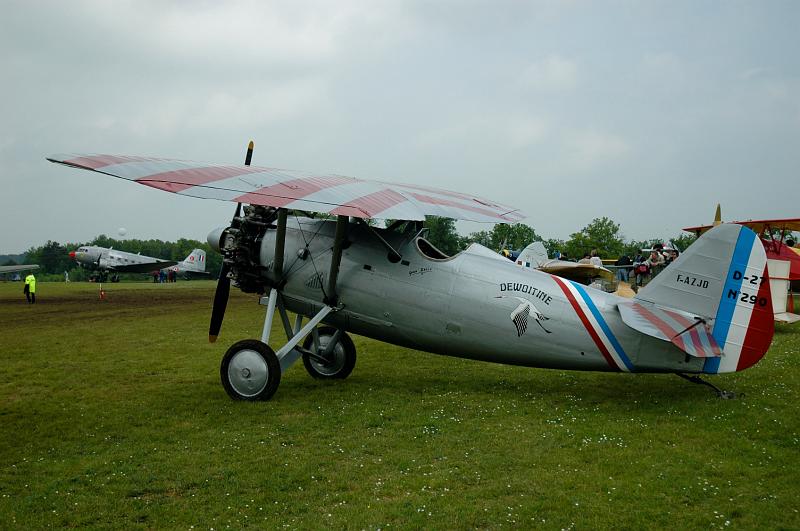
[757,226]
[294,190]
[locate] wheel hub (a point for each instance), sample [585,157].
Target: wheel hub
[248,373]
[332,363]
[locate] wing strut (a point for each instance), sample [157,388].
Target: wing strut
[290,352]
[280,244]
[336,259]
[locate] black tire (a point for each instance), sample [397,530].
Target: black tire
[344,355]
[250,371]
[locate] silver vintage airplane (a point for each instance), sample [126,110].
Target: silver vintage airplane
[18,268]
[106,260]
[707,313]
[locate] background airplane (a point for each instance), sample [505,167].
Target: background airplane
[18,268]
[783,259]
[775,234]
[106,260]
[535,256]
[192,265]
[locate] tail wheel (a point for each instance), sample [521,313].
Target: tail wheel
[250,371]
[339,363]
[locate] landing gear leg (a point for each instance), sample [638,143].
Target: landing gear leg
[288,354]
[725,395]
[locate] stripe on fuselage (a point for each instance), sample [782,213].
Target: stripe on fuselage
[595,325]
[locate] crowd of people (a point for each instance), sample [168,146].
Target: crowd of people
[639,270]
[161,276]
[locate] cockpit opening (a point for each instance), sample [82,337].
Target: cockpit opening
[429,250]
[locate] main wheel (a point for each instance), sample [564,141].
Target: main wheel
[250,370]
[342,358]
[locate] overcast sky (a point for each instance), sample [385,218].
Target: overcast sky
[646,112]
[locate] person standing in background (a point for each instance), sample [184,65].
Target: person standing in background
[30,289]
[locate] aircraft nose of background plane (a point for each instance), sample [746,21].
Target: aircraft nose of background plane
[72,254]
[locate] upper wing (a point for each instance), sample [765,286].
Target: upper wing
[15,268]
[757,226]
[294,190]
[760,226]
[142,268]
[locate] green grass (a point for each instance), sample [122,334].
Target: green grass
[112,415]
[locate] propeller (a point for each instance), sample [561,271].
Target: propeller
[224,283]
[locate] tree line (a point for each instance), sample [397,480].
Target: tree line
[602,234]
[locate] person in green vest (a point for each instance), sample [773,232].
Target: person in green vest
[30,288]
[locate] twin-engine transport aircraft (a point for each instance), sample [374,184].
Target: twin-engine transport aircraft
[708,312]
[105,260]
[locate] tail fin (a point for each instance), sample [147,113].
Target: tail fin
[535,254]
[195,261]
[719,282]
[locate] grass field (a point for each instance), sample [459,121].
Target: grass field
[112,415]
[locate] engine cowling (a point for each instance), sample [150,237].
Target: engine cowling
[240,246]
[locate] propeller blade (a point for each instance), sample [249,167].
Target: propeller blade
[220,303]
[224,283]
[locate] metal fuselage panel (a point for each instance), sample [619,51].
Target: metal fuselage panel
[463,306]
[92,257]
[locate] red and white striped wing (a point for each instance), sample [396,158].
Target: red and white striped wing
[294,190]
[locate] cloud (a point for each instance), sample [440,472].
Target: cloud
[493,131]
[552,74]
[590,148]
[503,99]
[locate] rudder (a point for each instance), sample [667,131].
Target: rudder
[196,261]
[534,254]
[722,278]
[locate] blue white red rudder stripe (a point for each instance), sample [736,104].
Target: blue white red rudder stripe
[744,323]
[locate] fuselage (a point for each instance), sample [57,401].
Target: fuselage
[102,258]
[476,304]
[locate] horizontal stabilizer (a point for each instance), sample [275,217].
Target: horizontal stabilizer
[786,317]
[688,332]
